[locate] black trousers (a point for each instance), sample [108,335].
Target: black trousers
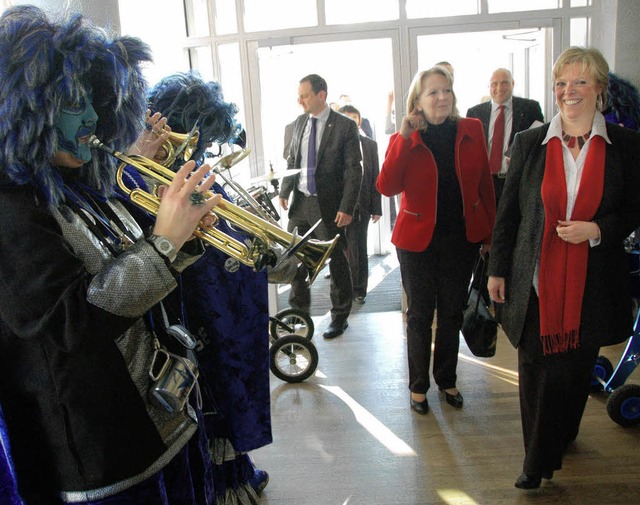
[356,234]
[341,290]
[553,394]
[436,278]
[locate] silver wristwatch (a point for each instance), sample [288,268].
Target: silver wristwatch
[164,246]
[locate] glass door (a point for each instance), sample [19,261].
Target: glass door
[476,54]
[361,69]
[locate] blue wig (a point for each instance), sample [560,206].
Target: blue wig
[623,103]
[185,99]
[43,65]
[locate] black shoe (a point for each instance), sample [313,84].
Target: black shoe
[528,481]
[454,400]
[420,407]
[335,329]
[359,299]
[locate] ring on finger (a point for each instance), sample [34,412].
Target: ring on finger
[197,198]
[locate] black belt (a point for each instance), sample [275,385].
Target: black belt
[500,175]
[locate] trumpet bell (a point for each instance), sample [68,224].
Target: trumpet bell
[178,144]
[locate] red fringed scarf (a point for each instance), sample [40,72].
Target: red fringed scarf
[563,266]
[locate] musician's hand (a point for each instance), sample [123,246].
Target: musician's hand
[284,203]
[152,138]
[184,204]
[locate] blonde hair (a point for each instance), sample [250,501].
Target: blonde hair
[417,87]
[592,62]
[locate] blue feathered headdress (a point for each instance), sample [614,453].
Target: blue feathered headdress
[185,99]
[44,65]
[623,103]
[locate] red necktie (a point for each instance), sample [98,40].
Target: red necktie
[497,143]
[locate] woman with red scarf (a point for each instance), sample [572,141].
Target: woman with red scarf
[558,262]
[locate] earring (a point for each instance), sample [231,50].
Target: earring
[599,103]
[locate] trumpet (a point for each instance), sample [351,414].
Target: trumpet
[257,253]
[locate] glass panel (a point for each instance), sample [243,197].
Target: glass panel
[522,5]
[199,25]
[438,8]
[202,62]
[226,20]
[475,55]
[160,17]
[339,12]
[361,69]
[580,3]
[231,77]
[278,14]
[578,35]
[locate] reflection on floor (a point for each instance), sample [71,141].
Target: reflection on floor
[383,291]
[347,436]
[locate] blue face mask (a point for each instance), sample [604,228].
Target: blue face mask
[75,124]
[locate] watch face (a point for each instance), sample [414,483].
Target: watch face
[164,246]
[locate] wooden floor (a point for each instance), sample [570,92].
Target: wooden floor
[346,436]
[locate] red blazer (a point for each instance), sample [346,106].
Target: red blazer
[409,168]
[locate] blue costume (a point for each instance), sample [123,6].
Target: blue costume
[75,347]
[225,303]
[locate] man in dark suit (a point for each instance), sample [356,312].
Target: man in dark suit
[518,114]
[369,207]
[326,147]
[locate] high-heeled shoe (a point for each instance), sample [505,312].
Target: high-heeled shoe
[454,400]
[420,407]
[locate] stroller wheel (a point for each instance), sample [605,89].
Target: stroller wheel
[623,405]
[291,321]
[602,372]
[293,358]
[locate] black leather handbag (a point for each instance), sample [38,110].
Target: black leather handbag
[479,327]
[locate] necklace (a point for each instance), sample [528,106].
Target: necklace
[571,140]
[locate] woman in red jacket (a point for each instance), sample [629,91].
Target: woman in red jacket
[438,162]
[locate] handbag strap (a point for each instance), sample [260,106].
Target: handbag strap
[480,263]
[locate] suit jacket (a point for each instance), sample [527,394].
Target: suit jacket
[338,167]
[517,236]
[370,200]
[525,112]
[410,168]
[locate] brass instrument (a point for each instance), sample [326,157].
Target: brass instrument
[314,254]
[242,197]
[177,144]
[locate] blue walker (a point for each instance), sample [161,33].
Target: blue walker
[623,404]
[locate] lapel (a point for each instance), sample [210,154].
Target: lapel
[485,118]
[326,134]
[517,119]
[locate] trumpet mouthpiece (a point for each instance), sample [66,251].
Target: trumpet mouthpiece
[95,142]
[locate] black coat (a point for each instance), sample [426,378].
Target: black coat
[370,200]
[338,167]
[517,236]
[525,112]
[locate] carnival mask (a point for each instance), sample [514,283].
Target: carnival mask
[75,124]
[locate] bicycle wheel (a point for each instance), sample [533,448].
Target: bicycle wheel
[293,358]
[291,322]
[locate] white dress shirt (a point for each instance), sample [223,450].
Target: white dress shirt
[304,146]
